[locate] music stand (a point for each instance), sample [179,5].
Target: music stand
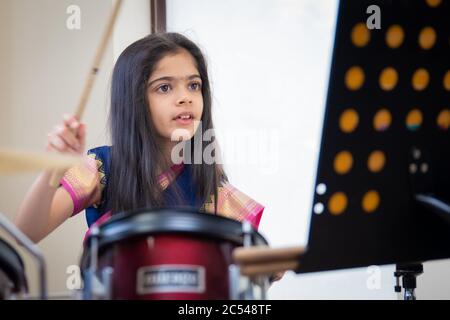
[382,187]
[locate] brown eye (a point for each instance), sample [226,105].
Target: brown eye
[196,86]
[164,88]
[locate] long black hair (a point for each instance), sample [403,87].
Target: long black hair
[135,154]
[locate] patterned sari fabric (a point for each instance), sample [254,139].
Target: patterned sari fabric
[86,185]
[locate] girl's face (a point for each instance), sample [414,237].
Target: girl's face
[175,96]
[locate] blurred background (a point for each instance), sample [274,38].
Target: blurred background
[269,65]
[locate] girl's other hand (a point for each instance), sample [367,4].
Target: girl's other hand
[277,276]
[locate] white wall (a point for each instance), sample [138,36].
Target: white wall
[132,24]
[269,63]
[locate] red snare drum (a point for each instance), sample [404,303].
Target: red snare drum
[162,254]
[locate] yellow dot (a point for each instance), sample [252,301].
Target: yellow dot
[376,161]
[382,120]
[446,81]
[395,36]
[371,201]
[443,119]
[427,38]
[414,119]
[388,79]
[354,78]
[433,3]
[360,35]
[420,79]
[343,162]
[337,203]
[349,120]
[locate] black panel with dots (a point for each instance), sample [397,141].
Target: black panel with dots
[385,137]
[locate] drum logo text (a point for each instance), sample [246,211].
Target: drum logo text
[170,278]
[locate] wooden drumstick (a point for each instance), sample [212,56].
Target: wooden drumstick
[57,175]
[259,269]
[257,254]
[17,161]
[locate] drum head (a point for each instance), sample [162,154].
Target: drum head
[12,266]
[166,220]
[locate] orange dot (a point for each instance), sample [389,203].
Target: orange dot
[354,78]
[414,119]
[433,3]
[360,35]
[427,38]
[371,201]
[349,120]
[376,161]
[395,36]
[343,162]
[443,119]
[420,79]
[337,203]
[446,81]
[382,120]
[388,79]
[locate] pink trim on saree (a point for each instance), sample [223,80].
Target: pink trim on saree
[82,182]
[167,177]
[236,205]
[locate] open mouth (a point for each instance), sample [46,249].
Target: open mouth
[184,117]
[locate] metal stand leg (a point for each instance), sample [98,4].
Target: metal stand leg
[31,248]
[408,273]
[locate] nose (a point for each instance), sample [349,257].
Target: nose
[184,98]
[184,101]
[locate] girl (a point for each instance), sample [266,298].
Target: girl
[160,94]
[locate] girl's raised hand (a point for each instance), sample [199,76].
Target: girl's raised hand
[68,137]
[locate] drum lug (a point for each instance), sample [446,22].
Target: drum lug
[240,286]
[243,287]
[247,231]
[263,283]
[107,276]
[234,274]
[96,289]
